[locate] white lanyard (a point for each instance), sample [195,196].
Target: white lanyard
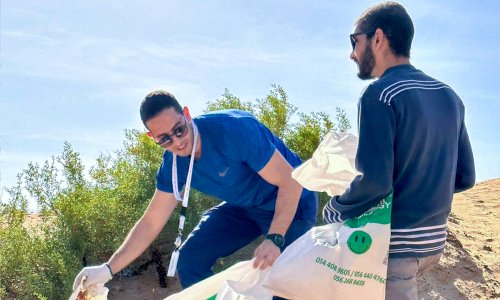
[187,188]
[175,186]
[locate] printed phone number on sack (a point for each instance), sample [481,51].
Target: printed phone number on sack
[349,273]
[348,280]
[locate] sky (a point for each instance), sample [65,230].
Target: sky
[76,71]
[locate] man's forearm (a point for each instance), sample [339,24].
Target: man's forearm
[286,206]
[138,239]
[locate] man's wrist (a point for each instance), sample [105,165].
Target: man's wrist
[109,269]
[277,239]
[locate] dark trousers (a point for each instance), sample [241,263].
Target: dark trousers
[223,230]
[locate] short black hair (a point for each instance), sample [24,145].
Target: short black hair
[394,21]
[155,102]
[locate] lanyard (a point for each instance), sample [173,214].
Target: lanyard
[187,188]
[175,186]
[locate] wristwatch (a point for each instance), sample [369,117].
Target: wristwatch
[277,239]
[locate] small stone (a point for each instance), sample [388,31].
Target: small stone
[487,248]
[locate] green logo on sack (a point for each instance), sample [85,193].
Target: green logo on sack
[359,242]
[381,214]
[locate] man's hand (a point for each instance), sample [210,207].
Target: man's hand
[266,254]
[93,275]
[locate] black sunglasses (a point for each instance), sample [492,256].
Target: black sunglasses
[353,35]
[179,132]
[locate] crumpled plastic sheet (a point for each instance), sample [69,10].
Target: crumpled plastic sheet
[93,292]
[331,168]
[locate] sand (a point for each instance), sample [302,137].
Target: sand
[469,269]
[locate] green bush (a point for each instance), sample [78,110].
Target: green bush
[33,264]
[79,218]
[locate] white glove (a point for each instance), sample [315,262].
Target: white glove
[92,275]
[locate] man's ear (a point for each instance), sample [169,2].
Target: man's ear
[379,37]
[185,111]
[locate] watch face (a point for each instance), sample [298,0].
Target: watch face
[277,239]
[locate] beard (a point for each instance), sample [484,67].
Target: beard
[366,64]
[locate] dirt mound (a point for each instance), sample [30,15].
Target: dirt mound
[470,267]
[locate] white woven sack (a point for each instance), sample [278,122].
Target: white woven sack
[337,261]
[239,282]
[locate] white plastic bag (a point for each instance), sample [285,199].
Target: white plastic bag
[337,261]
[93,292]
[331,168]
[239,282]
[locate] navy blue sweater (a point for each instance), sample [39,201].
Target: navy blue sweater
[412,139]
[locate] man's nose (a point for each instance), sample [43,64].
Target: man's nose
[176,141]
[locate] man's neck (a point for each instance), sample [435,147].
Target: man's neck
[197,152]
[389,61]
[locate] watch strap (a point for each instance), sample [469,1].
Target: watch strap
[277,239]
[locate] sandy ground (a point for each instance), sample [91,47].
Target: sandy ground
[142,287]
[469,269]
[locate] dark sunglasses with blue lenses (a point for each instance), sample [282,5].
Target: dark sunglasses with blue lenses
[179,132]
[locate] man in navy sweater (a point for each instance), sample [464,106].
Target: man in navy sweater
[412,141]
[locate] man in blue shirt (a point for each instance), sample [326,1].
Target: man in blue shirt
[412,140]
[236,159]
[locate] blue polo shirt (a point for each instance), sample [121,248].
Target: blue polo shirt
[234,147]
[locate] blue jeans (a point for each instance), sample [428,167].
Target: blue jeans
[223,230]
[402,275]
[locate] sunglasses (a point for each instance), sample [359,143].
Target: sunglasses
[353,35]
[179,132]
